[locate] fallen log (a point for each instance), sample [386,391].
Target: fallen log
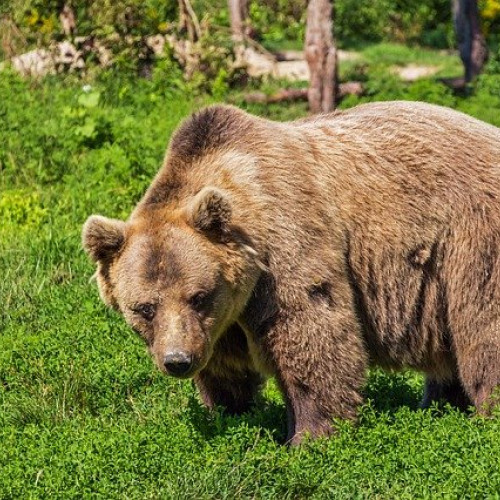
[283,95]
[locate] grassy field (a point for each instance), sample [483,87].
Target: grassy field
[83,412]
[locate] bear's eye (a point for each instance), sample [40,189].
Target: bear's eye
[147,311]
[200,301]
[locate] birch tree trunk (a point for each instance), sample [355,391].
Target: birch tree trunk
[471,43]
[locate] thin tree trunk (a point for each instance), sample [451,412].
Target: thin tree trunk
[238,11]
[321,56]
[471,42]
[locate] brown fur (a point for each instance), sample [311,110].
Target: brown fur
[308,250]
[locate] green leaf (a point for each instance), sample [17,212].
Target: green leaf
[87,129]
[90,100]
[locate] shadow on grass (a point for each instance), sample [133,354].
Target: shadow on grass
[386,393]
[269,416]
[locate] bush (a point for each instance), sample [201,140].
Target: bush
[279,20]
[427,22]
[489,80]
[276,22]
[21,208]
[490,14]
[94,17]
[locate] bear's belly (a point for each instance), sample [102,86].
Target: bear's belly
[400,302]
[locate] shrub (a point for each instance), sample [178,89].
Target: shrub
[21,208]
[427,22]
[490,14]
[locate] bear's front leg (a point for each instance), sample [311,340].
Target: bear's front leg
[321,366]
[229,380]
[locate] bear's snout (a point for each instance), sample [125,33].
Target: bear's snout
[178,363]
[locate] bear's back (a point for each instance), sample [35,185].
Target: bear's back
[411,156]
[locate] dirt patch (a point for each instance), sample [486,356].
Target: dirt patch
[290,64]
[413,72]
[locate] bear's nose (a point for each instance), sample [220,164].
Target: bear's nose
[178,363]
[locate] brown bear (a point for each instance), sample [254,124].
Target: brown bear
[310,250]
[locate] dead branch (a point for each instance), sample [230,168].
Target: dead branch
[13,40]
[188,21]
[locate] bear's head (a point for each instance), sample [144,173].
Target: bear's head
[179,276]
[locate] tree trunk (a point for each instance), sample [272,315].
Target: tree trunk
[471,43]
[321,56]
[240,27]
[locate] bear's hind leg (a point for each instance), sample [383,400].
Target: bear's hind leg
[441,392]
[471,269]
[229,380]
[479,370]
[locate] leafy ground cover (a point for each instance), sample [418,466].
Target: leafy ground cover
[83,412]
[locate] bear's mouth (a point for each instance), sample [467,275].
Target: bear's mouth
[182,376]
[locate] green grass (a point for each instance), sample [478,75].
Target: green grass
[388,54]
[83,411]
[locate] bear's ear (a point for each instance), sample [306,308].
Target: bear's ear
[102,237]
[210,211]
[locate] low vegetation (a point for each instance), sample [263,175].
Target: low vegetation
[83,412]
